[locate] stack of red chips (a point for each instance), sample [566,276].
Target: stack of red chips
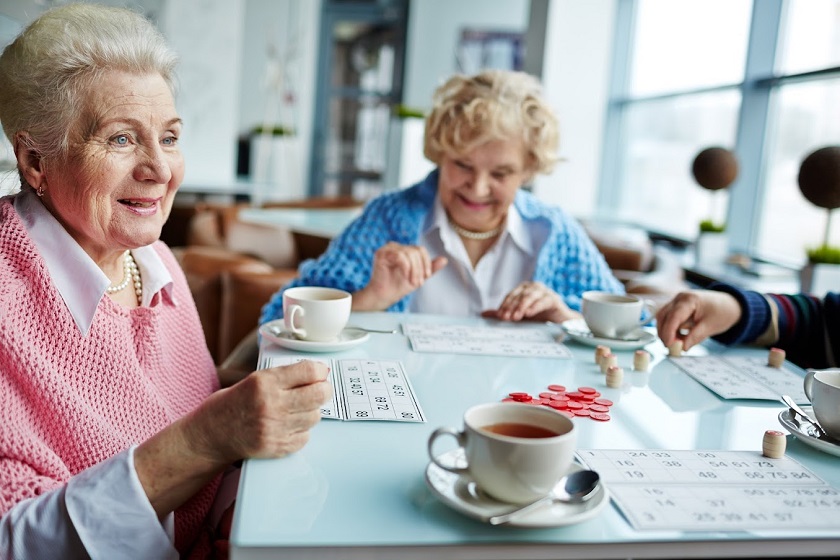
[586,402]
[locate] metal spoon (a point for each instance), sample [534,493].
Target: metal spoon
[280,332]
[385,331]
[795,408]
[573,488]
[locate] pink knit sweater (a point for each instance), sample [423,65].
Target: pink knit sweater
[69,401]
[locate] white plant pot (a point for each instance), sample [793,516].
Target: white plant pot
[819,278]
[711,248]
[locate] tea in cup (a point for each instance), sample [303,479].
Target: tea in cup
[515,452]
[316,314]
[613,315]
[823,389]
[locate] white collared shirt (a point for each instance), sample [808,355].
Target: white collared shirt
[460,289]
[79,280]
[102,512]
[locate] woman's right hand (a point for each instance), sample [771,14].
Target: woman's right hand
[398,270]
[695,315]
[267,414]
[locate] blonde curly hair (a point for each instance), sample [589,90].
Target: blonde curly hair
[469,111]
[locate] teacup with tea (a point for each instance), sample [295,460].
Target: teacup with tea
[316,314]
[823,389]
[611,315]
[515,452]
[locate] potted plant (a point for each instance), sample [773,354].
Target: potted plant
[714,169]
[819,182]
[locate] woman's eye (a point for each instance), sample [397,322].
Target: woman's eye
[121,140]
[170,141]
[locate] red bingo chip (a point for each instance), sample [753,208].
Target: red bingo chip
[574,405]
[577,395]
[519,395]
[557,405]
[587,390]
[598,408]
[605,402]
[558,388]
[547,395]
[508,399]
[559,397]
[581,412]
[599,416]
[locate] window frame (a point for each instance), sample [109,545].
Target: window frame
[761,80]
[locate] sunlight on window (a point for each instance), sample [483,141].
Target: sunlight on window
[806,118]
[689,44]
[812,36]
[663,139]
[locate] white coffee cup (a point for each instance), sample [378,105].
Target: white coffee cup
[823,389]
[614,315]
[316,314]
[516,468]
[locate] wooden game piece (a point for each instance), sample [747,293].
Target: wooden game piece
[776,358]
[675,350]
[615,376]
[773,445]
[641,360]
[600,352]
[607,361]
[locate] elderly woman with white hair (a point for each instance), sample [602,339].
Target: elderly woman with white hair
[114,435]
[468,240]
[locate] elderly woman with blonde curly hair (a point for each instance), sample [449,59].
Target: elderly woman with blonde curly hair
[468,240]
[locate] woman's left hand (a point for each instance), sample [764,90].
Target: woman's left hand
[532,301]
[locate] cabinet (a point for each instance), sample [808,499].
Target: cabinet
[359,84]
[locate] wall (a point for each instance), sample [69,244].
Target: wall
[289,28]
[207,36]
[434,28]
[576,73]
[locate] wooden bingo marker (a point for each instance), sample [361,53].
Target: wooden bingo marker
[615,376]
[641,360]
[675,349]
[776,358]
[773,445]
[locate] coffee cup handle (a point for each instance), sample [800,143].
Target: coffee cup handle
[647,312]
[808,383]
[289,319]
[459,436]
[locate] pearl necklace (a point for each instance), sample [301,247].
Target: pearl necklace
[478,235]
[131,274]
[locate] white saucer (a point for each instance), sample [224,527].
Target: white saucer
[577,330]
[822,445]
[274,331]
[461,494]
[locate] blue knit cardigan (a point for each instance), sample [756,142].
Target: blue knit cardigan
[568,263]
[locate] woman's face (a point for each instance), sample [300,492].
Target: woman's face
[115,189]
[478,187]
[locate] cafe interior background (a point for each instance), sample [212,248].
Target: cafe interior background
[290,99]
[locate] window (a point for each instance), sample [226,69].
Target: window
[761,78]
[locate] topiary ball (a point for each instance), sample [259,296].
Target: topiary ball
[715,168]
[819,177]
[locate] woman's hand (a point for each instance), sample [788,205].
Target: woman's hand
[532,301]
[696,315]
[398,270]
[267,414]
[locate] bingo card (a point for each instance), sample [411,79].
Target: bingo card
[740,377]
[714,490]
[486,341]
[364,389]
